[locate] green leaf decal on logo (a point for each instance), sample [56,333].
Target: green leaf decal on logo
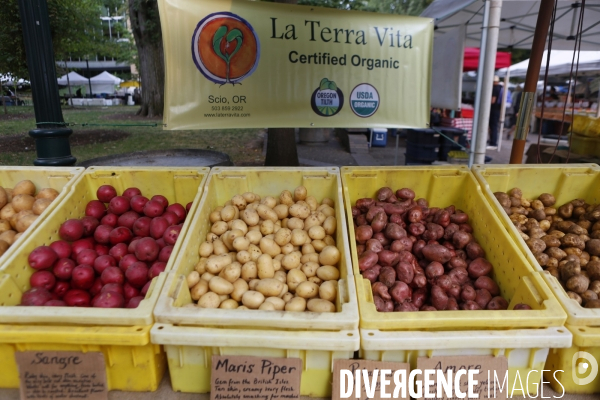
[219,34]
[332,86]
[324,84]
[235,34]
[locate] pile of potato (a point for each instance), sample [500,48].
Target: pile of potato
[19,208]
[269,254]
[565,240]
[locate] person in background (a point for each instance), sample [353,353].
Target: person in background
[78,93]
[495,112]
[516,103]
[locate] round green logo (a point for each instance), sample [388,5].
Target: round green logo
[364,100]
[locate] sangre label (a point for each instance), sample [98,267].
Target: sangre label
[364,100]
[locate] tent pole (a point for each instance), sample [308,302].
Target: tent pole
[598,103]
[485,101]
[503,109]
[533,73]
[482,48]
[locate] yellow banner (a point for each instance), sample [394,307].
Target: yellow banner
[248,64]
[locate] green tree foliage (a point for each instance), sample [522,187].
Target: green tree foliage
[76,31]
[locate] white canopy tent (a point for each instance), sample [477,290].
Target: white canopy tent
[518,21]
[104,83]
[560,64]
[74,79]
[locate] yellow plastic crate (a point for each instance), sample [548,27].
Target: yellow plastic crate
[565,182]
[132,362]
[568,361]
[525,349]
[190,349]
[443,186]
[180,185]
[585,146]
[58,178]
[221,186]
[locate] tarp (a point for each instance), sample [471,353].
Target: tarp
[245,64]
[74,79]
[560,64]
[472,59]
[106,78]
[518,22]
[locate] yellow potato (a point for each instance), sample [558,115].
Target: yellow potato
[229,304]
[291,261]
[239,225]
[319,245]
[277,302]
[328,201]
[316,232]
[3,197]
[295,223]
[207,276]
[7,212]
[199,290]
[282,211]
[269,287]
[328,291]
[24,187]
[312,203]
[228,213]
[4,226]
[219,228]
[311,257]
[294,278]
[192,279]
[9,194]
[215,264]
[250,197]
[280,276]
[47,193]
[249,271]
[296,304]
[254,236]
[252,284]
[239,288]
[211,237]
[315,279]
[310,268]
[17,236]
[311,221]
[16,217]
[209,300]
[214,217]
[205,249]
[239,202]
[40,205]
[269,201]
[276,264]
[254,251]
[328,273]
[330,225]
[286,198]
[4,246]
[267,306]
[307,289]
[320,305]
[330,255]
[267,227]
[329,241]
[307,249]
[283,236]
[232,272]
[250,216]
[267,213]
[243,257]
[253,299]
[268,246]
[299,211]
[220,286]
[22,202]
[300,193]
[299,237]
[326,211]
[241,243]
[201,265]
[8,236]
[265,267]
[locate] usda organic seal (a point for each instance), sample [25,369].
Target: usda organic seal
[327,100]
[364,100]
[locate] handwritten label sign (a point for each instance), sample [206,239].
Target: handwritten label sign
[57,375]
[246,377]
[492,374]
[367,369]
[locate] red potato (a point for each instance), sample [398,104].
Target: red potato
[434,270]
[127,261]
[118,205]
[134,302]
[146,287]
[103,262]
[466,228]
[141,226]
[373,245]
[137,274]
[384,193]
[132,192]
[42,279]
[83,276]
[102,234]
[120,235]
[388,258]
[459,218]
[156,269]
[436,252]
[171,235]
[420,280]
[406,307]
[400,292]
[113,287]
[485,282]
[419,297]
[137,203]
[112,275]
[96,209]
[379,303]
[454,291]
[110,220]
[405,272]
[468,293]
[418,246]
[77,298]
[452,304]
[165,253]
[361,220]
[178,210]
[128,219]
[363,233]
[129,291]
[55,303]
[42,257]
[379,222]
[522,306]
[132,245]
[461,239]
[63,268]
[416,229]
[405,194]
[146,249]
[439,298]
[61,288]
[101,249]
[402,244]
[479,267]
[109,300]
[442,218]
[391,209]
[381,290]
[80,245]
[161,199]
[459,276]
[71,230]
[456,262]
[106,193]
[87,257]
[415,214]
[397,219]
[158,226]
[497,303]
[153,209]
[394,231]
[161,243]
[387,276]
[474,251]
[373,211]
[482,298]
[470,305]
[171,217]
[62,248]
[118,251]
[36,297]
[445,282]
[96,287]
[372,274]
[364,204]
[450,231]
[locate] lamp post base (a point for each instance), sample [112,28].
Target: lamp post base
[53,148]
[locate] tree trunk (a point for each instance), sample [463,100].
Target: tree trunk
[281,142]
[145,24]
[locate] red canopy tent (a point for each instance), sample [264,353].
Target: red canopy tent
[472,59]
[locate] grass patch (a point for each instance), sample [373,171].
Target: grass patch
[244,146]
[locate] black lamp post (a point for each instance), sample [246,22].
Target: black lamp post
[51,140]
